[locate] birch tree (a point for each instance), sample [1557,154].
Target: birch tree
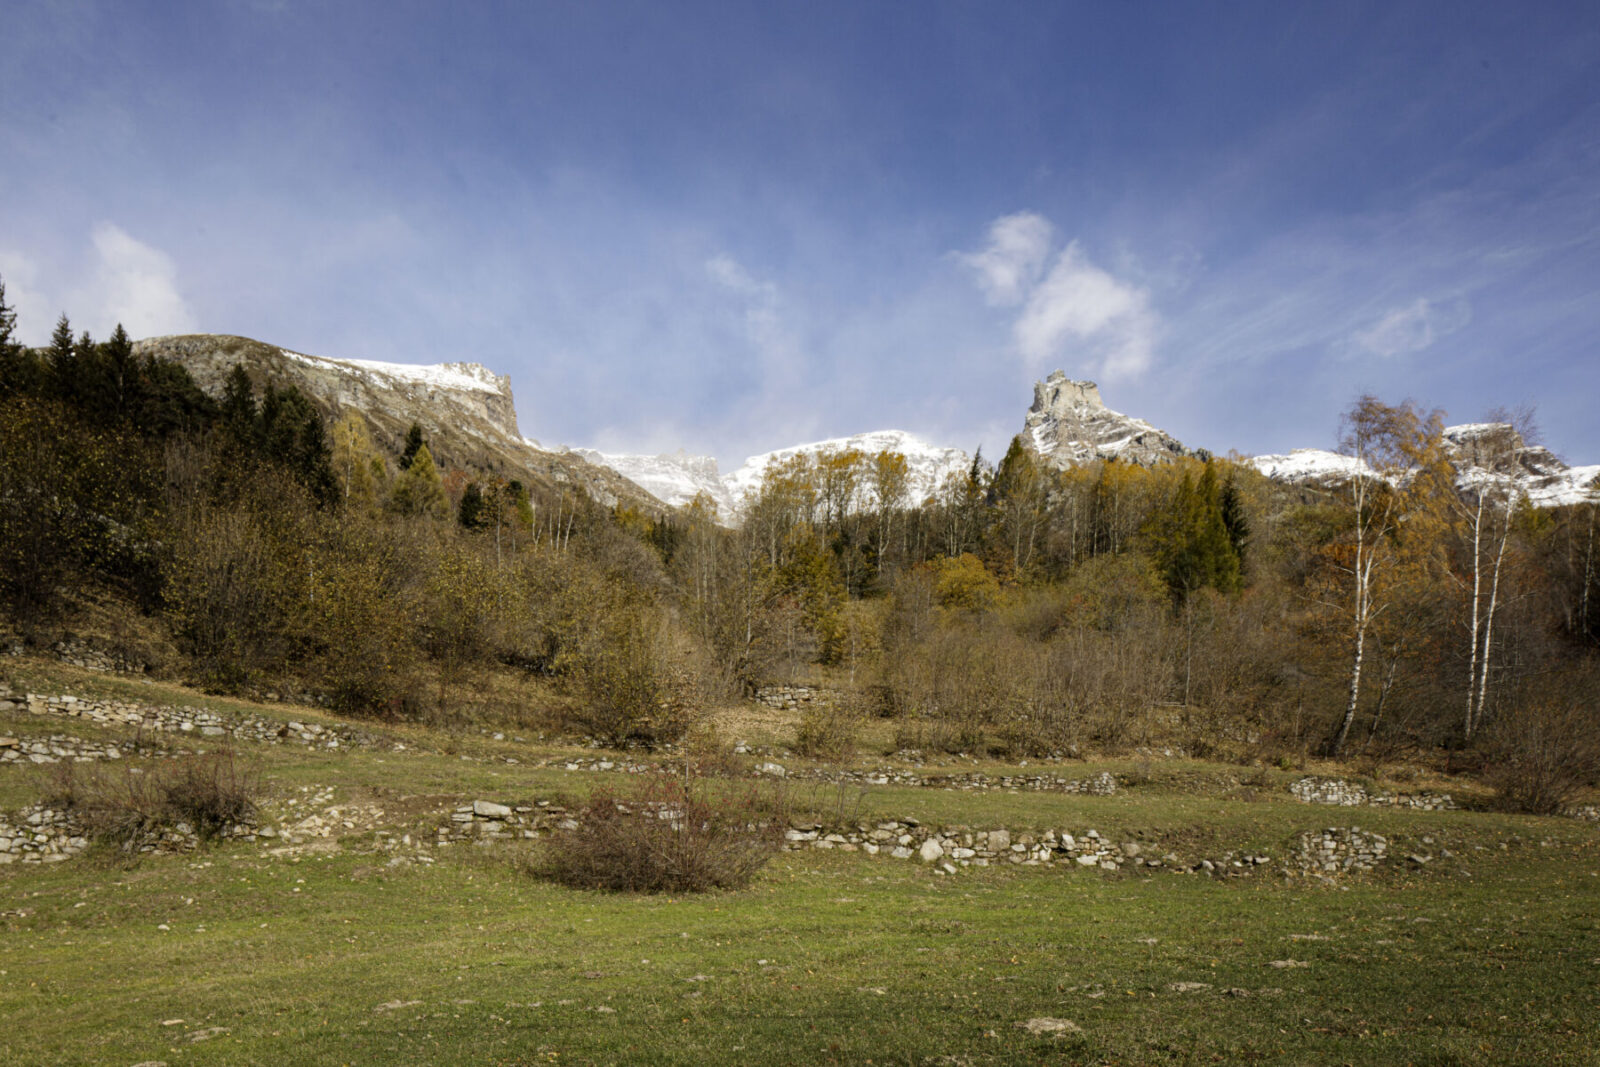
[1393,449]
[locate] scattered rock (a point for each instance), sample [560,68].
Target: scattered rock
[1045,1025]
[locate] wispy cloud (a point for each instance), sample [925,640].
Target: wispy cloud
[1078,313]
[1414,327]
[1083,314]
[1010,265]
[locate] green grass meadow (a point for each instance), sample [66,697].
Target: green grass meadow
[343,953]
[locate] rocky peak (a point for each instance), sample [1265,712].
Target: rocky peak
[1060,396]
[1068,424]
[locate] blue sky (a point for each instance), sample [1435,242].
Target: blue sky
[736,226]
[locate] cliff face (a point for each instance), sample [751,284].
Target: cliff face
[1068,423]
[466,410]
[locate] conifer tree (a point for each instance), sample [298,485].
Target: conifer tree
[470,513]
[414,441]
[17,364]
[419,490]
[61,359]
[239,405]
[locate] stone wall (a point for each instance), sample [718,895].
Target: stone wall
[790,697]
[42,834]
[59,747]
[1339,792]
[1340,850]
[182,719]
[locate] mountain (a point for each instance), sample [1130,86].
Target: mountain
[927,464]
[1069,424]
[676,478]
[673,478]
[1484,454]
[466,410]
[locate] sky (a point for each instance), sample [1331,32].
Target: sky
[731,227]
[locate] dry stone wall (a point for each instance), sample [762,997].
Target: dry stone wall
[1340,850]
[1341,793]
[42,834]
[58,748]
[185,720]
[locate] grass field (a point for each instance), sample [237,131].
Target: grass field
[339,953]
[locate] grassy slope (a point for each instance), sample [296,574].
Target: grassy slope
[1493,957]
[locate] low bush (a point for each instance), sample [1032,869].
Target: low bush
[827,730]
[127,805]
[1544,755]
[671,835]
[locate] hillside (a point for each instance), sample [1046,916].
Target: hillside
[383,905]
[466,410]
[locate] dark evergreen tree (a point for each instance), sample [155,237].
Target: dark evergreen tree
[239,412]
[414,441]
[118,373]
[470,513]
[61,359]
[291,433]
[18,367]
[1234,519]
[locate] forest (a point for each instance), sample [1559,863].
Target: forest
[251,545]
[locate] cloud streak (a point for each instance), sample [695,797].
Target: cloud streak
[1412,328]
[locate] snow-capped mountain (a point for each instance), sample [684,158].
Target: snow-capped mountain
[673,478]
[465,409]
[1069,424]
[1485,455]
[927,464]
[1493,454]
[676,478]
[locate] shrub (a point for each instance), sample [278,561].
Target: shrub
[1543,755]
[671,835]
[827,730]
[128,805]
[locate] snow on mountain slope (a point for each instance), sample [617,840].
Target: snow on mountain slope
[1069,424]
[1308,465]
[673,478]
[1486,456]
[927,464]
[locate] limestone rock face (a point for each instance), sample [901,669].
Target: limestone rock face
[465,409]
[1069,424]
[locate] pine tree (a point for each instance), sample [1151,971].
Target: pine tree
[419,490]
[239,405]
[61,359]
[18,367]
[414,441]
[470,513]
[1234,519]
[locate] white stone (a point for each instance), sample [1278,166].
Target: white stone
[930,851]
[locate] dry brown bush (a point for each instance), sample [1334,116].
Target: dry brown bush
[828,729]
[1542,756]
[125,805]
[670,835]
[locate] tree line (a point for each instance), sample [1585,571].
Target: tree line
[1018,608]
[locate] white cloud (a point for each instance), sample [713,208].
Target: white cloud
[1083,314]
[1413,328]
[134,284]
[34,317]
[774,344]
[1008,268]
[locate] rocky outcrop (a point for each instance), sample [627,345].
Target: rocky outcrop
[465,409]
[1069,424]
